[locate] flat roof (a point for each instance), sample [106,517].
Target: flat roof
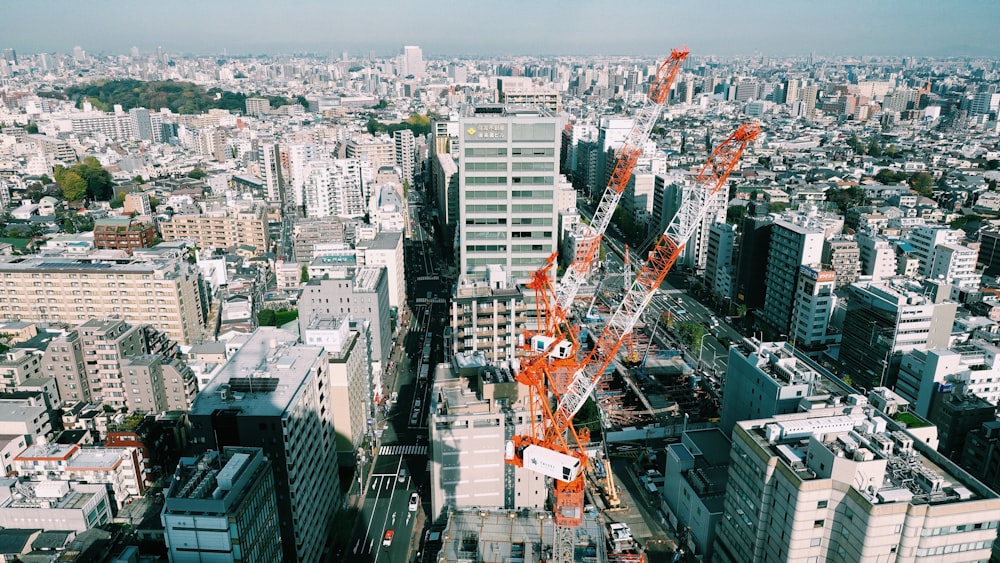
[262,378]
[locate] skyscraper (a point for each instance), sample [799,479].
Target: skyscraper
[794,241]
[412,62]
[507,211]
[273,394]
[405,148]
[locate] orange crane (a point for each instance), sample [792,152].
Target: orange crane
[588,237]
[549,341]
[554,447]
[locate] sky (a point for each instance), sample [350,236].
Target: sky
[452,28]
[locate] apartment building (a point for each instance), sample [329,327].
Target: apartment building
[121,469]
[487,316]
[166,293]
[122,233]
[386,250]
[221,224]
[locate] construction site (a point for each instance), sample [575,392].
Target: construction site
[580,348]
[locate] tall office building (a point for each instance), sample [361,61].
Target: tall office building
[405,153]
[412,62]
[272,394]
[507,211]
[795,240]
[755,241]
[222,508]
[814,305]
[475,409]
[885,319]
[847,483]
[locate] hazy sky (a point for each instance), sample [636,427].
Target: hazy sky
[508,27]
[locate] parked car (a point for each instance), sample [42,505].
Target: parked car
[414,502]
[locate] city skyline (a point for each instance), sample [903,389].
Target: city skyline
[451,28]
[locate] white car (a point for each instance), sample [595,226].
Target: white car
[414,502]
[402,475]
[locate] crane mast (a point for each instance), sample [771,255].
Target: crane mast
[556,448]
[588,237]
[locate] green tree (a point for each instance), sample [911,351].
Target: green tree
[154,202]
[891,151]
[875,148]
[45,180]
[692,335]
[197,174]
[305,273]
[993,164]
[923,183]
[266,318]
[118,201]
[778,206]
[31,128]
[138,180]
[74,188]
[100,185]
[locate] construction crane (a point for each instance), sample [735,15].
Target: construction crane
[588,237]
[631,357]
[552,341]
[555,447]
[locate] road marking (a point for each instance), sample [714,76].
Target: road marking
[402,450]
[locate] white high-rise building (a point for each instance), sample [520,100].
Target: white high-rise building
[300,155]
[405,153]
[955,264]
[848,484]
[878,258]
[814,305]
[507,177]
[333,187]
[412,62]
[926,237]
[469,426]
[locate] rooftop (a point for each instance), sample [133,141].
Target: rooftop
[484,535]
[263,377]
[884,463]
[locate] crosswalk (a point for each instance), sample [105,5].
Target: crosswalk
[402,450]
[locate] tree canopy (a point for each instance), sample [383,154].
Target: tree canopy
[419,124]
[74,188]
[99,183]
[178,96]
